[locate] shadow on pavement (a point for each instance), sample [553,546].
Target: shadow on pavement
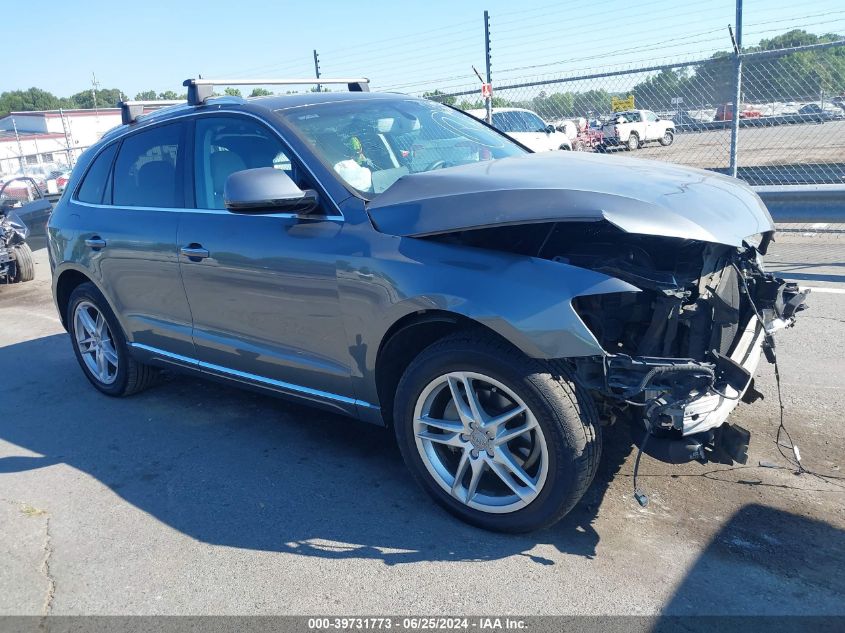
[764,562]
[233,468]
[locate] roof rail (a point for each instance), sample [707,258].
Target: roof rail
[201,89]
[131,110]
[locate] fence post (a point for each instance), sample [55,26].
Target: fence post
[317,69]
[487,59]
[737,90]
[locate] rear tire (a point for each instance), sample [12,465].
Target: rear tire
[118,374]
[555,440]
[24,266]
[633,142]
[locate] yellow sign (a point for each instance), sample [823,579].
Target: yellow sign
[620,105]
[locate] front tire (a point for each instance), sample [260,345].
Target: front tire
[667,139]
[100,345]
[502,441]
[24,265]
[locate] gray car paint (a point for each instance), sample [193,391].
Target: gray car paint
[638,196]
[341,284]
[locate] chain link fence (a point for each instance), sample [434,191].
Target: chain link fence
[791,116]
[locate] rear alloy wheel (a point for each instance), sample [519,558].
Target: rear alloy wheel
[94,342]
[667,138]
[503,441]
[633,141]
[100,346]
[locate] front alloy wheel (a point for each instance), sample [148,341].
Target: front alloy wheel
[480,442]
[500,440]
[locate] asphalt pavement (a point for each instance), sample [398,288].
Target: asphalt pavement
[192,498]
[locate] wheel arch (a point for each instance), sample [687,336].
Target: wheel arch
[65,282]
[409,336]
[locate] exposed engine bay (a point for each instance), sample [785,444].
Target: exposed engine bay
[683,350]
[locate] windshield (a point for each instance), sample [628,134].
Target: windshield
[518,121]
[371,144]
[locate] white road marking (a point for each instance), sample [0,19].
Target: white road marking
[833,291]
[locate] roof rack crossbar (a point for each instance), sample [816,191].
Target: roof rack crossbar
[201,89]
[131,110]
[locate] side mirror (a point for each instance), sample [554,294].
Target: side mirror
[550,129]
[266,190]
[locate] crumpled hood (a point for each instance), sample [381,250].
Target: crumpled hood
[638,196]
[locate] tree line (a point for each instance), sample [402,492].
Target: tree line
[38,99]
[807,75]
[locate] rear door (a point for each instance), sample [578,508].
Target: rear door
[127,212]
[262,288]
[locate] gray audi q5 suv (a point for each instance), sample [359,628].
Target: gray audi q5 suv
[400,262]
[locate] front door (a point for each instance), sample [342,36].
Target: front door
[262,288]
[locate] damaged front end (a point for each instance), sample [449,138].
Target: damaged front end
[682,352]
[13,232]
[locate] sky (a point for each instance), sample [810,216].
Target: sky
[407,45]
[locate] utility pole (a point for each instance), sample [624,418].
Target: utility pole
[94,85]
[317,69]
[21,159]
[488,61]
[68,138]
[737,107]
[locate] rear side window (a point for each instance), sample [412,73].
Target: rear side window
[147,172]
[96,180]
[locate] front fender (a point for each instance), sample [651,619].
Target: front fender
[526,300]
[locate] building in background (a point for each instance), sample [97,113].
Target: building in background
[50,139]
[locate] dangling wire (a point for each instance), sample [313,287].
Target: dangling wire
[639,495]
[795,460]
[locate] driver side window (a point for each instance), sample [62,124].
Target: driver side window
[224,145]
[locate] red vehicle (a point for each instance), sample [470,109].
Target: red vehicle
[725,112]
[588,138]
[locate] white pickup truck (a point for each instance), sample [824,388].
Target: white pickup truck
[633,128]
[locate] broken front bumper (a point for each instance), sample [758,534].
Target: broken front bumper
[699,409]
[683,397]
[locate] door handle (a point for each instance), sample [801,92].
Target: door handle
[194,252]
[95,242]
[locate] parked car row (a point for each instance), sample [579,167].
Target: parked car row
[631,130]
[526,127]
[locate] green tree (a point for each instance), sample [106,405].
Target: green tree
[106,98]
[596,101]
[232,92]
[28,100]
[168,95]
[146,95]
[440,97]
[554,106]
[260,92]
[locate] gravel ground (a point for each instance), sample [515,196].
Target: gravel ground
[193,498]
